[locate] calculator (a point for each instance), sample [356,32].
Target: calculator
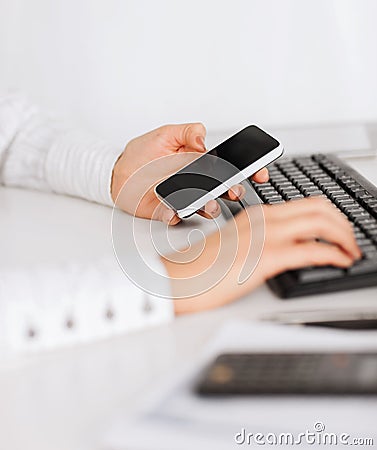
[290,373]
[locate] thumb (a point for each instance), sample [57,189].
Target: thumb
[190,135]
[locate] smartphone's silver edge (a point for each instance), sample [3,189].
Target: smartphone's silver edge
[219,190]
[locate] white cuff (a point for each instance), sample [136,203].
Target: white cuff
[78,164]
[37,152]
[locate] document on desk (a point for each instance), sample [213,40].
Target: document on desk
[176,418]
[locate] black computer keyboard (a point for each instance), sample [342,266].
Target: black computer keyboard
[355,196]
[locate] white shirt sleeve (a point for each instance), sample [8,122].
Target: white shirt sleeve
[37,152]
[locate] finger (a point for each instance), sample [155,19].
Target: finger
[319,225]
[236,193]
[302,207]
[315,254]
[319,206]
[167,215]
[189,135]
[211,210]
[290,210]
[262,176]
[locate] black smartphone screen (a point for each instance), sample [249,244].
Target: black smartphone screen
[216,167]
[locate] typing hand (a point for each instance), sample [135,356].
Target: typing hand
[308,232]
[183,143]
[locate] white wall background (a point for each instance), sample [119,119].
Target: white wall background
[121,67]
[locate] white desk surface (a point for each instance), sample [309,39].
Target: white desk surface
[64,399]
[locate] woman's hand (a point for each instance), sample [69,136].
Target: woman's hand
[186,142]
[290,233]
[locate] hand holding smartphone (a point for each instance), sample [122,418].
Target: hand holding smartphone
[215,172]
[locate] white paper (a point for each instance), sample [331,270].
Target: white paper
[176,418]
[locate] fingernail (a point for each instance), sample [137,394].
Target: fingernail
[211,209]
[200,142]
[237,191]
[167,216]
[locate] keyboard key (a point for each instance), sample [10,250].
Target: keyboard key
[318,274]
[271,195]
[263,185]
[285,184]
[362,240]
[363,267]
[266,189]
[371,202]
[294,197]
[314,193]
[363,195]
[275,201]
[370,252]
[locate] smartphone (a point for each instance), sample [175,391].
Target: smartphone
[217,170]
